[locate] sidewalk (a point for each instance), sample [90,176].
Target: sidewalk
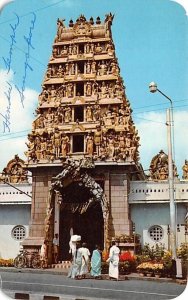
[62,271]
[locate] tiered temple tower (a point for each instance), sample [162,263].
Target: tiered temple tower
[83,148]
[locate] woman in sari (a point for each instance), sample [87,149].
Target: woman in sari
[74,271]
[114,261]
[96,262]
[85,260]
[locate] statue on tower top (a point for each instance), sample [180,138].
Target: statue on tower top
[108,23]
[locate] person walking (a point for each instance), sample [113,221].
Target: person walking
[96,263]
[56,248]
[85,260]
[43,255]
[114,261]
[74,271]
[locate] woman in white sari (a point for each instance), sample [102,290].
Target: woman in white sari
[85,260]
[114,261]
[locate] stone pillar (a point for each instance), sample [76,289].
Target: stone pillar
[56,215]
[120,222]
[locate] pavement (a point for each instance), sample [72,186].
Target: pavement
[61,271]
[64,271]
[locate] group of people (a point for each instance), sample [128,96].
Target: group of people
[81,263]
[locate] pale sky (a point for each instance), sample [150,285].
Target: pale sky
[151,39]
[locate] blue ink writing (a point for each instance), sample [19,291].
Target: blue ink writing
[8,60]
[27,56]
[6,117]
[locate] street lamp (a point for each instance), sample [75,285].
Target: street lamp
[169,119]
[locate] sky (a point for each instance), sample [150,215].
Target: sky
[151,39]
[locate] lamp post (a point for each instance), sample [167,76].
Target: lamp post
[153,88]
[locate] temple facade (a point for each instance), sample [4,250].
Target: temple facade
[83,148]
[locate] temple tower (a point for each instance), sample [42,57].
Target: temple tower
[83,148]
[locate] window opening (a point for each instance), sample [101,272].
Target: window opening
[156,233]
[19,232]
[80,89]
[78,114]
[78,143]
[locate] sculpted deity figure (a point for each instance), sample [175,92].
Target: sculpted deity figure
[15,173]
[114,68]
[88,88]
[110,49]
[110,147]
[95,88]
[60,71]
[67,69]
[122,140]
[48,73]
[31,148]
[102,152]
[70,49]
[67,114]
[93,67]
[89,114]
[97,139]
[103,90]
[64,51]
[118,89]
[52,93]
[89,144]
[98,48]
[185,170]
[65,145]
[88,67]
[111,90]
[54,53]
[128,144]
[102,68]
[87,48]
[56,142]
[43,97]
[43,147]
[75,49]
[50,153]
[38,147]
[49,118]
[92,48]
[61,91]
[60,26]
[132,151]
[96,112]
[108,24]
[70,90]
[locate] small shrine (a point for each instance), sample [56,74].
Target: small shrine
[14,172]
[83,147]
[159,167]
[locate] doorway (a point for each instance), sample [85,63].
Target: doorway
[90,225]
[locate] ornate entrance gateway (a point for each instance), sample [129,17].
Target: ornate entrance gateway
[84,209]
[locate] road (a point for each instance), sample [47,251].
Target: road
[89,288]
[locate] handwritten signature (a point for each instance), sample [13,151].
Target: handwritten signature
[8,64]
[6,117]
[8,60]
[27,56]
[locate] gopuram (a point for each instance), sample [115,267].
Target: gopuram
[83,148]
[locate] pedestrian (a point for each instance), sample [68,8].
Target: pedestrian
[114,261]
[43,255]
[56,247]
[74,271]
[85,260]
[96,263]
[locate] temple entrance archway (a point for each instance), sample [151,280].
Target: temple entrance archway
[74,219]
[84,209]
